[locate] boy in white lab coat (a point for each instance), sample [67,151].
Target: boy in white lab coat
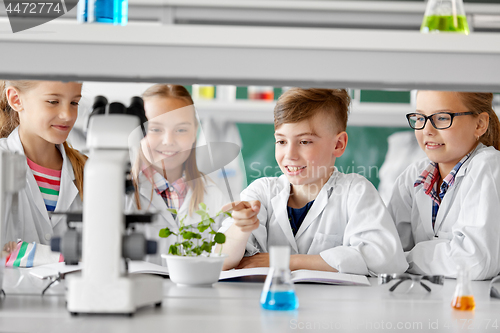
[331,221]
[446,207]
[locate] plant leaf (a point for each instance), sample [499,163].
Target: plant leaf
[164,233]
[173,250]
[220,238]
[173,211]
[203,206]
[187,245]
[187,234]
[202,228]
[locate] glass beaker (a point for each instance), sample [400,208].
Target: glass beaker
[278,292]
[445,16]
[463,299]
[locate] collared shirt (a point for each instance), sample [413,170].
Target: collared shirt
[429,178]
[173,193]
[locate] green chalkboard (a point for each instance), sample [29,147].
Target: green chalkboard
[365,153]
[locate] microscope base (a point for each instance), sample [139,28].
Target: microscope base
[119,296]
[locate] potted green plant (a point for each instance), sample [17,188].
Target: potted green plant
[190,259]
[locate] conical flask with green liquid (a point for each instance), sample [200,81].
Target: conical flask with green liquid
[445,16]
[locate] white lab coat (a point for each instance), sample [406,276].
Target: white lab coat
[467,227]
[213,198]
[34,224]
[348,225]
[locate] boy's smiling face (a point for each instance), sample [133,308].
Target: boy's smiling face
[306,151]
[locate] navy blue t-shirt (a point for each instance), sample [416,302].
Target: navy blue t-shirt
[297,215]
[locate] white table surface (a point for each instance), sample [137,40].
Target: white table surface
[234,307]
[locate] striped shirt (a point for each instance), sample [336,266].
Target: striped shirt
[173,193]
[49,182]
[429,178]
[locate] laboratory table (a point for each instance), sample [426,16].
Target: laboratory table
[234,307]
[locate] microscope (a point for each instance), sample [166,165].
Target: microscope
[104,285]
[12,179]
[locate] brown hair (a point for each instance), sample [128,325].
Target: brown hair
[9,120]
[194,177]
[479,103]
[299,104]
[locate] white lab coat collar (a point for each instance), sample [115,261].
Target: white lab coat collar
[280,203]
[146,189]
[68,190]
[425,205]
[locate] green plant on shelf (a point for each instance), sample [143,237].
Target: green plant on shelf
[190,242]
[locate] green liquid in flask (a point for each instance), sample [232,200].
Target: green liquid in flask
[435,23]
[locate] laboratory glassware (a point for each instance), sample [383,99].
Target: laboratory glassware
[463,299]
[445,16]
[278,292]
[265,93]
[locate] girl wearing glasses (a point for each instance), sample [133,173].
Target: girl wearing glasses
[446,207]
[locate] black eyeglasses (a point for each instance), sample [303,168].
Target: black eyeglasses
[440,120]
[407,282]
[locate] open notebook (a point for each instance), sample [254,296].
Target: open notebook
[137,267]
[301,275]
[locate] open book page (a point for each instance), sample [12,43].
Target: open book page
[52,270]
[236,273]
[146,267]
[305,275]
[302,275]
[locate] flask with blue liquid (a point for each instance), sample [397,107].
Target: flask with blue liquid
[278,292]
[103,11]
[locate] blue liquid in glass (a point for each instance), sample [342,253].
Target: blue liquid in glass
[111,11]
[281,301]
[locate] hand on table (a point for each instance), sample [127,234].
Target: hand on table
[257,260]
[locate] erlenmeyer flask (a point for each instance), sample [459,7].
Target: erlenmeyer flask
[463,299]
[445,16]
[278,292]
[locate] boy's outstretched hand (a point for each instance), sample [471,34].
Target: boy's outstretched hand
[244,214]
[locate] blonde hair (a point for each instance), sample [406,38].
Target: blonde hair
[195,178]
[479,103]
[9,120]
[299,104]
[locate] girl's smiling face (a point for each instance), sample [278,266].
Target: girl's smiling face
[448,146]
[171,133]
[48,111]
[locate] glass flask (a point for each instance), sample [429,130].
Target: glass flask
[445,16]
[278,292]
[265,93]
[111,11]
[463,299]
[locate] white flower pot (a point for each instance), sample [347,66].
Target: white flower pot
[194,271]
